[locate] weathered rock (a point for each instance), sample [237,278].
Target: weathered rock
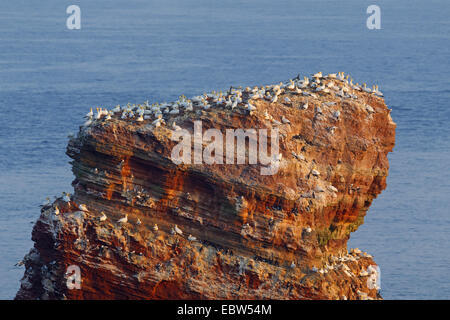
[251,230]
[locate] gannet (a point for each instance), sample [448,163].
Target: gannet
[124,219]
[175,126]
[364,273]
[298,156]
[250,107]
[192,238]
[255,96]
[138,222]
[332,188]
[305,106]
[320,88]
[155,227]
[317,75]
[285,120]
[157,122]
[377,92]
[178,230]
[19,264]
[319,110]
[292,265]
[99,113]
[291,86]
[103,217]
[276,122]
[336,114]
[368,90]
[140,119]
[56,210]
[274,99]
[116,109]
[83,207]
[308,229]
[287,100]
[66,197]
[89,114]
[315,173]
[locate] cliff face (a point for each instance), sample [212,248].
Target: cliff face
[279,236]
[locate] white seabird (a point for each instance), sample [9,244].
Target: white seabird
[250,107]
[89,114]
[192,238]
[177,230]
[66,197]
[368,90]
[175,126]
[285,120]
[103,217]
[124,219]
[83,207]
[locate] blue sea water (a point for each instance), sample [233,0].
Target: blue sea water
[131,51]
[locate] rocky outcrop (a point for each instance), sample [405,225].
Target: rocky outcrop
[239,234]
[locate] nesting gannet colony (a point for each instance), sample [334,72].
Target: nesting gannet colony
[242,100]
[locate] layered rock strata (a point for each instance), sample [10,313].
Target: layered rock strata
[219,231]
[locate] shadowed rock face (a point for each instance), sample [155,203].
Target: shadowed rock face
[280,236]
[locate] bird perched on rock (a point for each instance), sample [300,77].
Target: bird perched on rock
[177,230]
[124,219]
[175,126]
[56,210]
[138,222]
[155,227]
[83,207]
[293,265]
[103,217]
[66,197]
[20,263]
[192,238]
[90,114]
[285,120]
[315,173]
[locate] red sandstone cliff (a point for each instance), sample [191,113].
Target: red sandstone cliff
[281,236]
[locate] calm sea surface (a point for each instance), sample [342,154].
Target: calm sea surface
[131,51]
